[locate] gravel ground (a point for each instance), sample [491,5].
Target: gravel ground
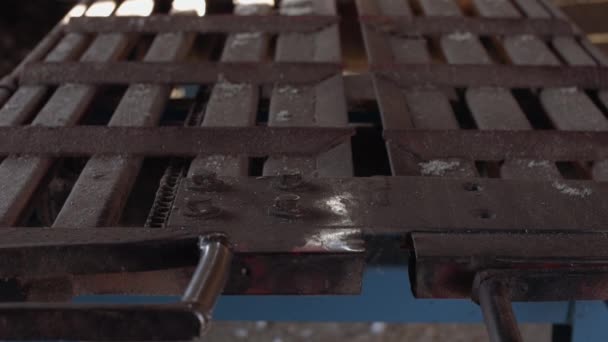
[360,332]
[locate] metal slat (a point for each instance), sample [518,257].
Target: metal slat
[223,108]
[125,73]
[492,108]
[568,108]
[321,105]
[419,108]
[21,175]
[102,189]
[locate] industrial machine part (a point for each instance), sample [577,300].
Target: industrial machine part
[467,140]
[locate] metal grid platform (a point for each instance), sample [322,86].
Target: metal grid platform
[484,124]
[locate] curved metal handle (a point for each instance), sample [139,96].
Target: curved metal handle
[184,320]
[209,277]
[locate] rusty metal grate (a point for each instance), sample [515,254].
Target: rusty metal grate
[497,109]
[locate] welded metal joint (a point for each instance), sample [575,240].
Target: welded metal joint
[209,277]
[494,297]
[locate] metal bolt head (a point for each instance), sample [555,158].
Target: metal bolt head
[206,180]
[286,206]
[204,177]
[290,180]
[201,208]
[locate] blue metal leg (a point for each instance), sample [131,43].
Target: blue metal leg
[589,321]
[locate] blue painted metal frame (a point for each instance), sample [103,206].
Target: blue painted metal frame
[386,297]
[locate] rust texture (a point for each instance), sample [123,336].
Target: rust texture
[484,126]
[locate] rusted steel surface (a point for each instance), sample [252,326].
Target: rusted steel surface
[380,203]
[206,24]
[446,263]
[501,145]
[169,141]
[177,73]
[408,25]
[495,75]
[538,285]
[476,93]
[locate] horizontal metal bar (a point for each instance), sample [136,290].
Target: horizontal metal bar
[507,76]
[549,284]
[502,145]
[170,141]
[205,24]
[174,322]
[475,25]
[177,73]
[461,255]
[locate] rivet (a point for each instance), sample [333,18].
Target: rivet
[287,206]
[291,180]
[201,208]
[206,180]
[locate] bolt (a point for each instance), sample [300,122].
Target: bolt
[287,206]
[202,208]
[206,180]
[291,180]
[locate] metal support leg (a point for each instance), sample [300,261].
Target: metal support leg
[494,299]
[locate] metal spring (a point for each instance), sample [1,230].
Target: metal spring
[169,182]
[165,195]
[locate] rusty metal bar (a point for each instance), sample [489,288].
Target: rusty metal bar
[551,258]
[482,75]
[322,104]
[500,145]
[206,24]
[491,108]
[222,110]
[408,25]
[407,108]
[495,302]
[531,50]
[170,141]
[177,73]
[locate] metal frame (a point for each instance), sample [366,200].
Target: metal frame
[307,136]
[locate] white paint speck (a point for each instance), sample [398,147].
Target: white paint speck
[241,39]
[437,167]
[284,115]
[572,191]
[288,90]
[538,163]
[334,240]
[460,36]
